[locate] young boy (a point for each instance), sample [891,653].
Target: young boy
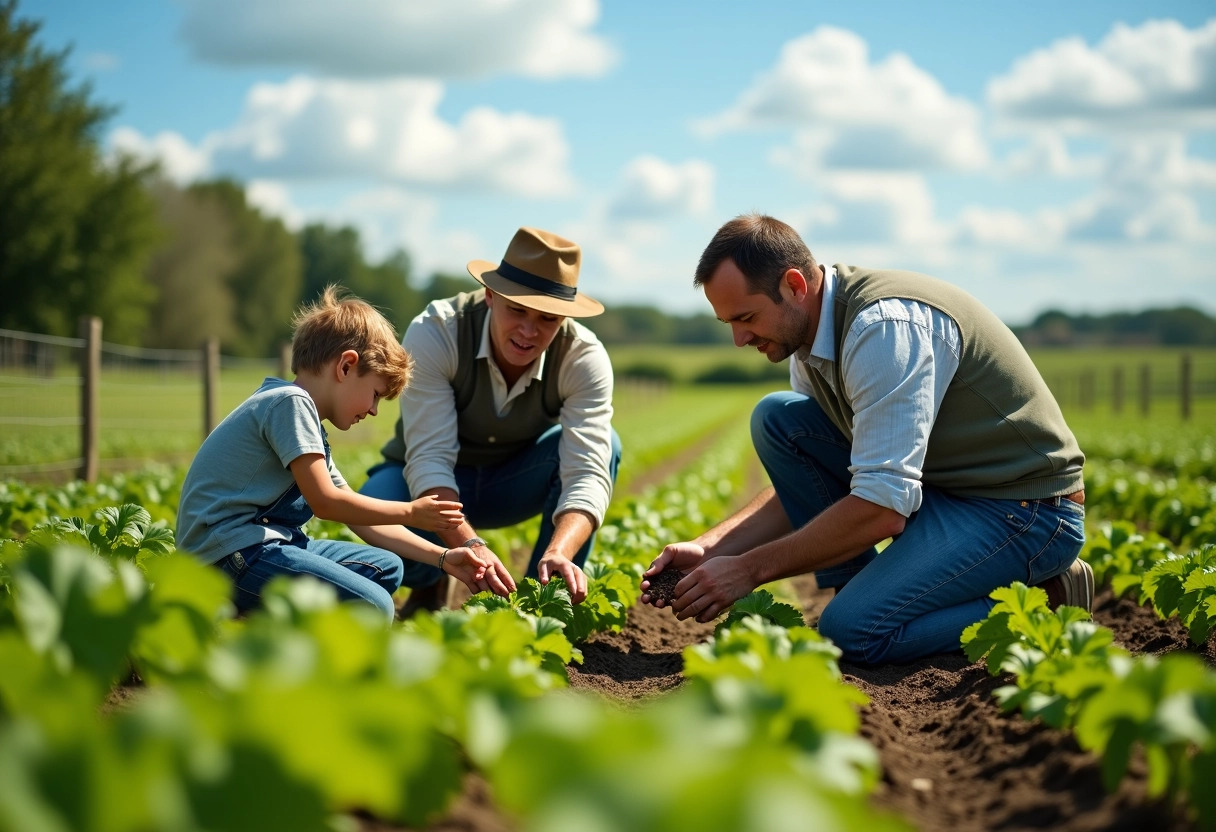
[266,469]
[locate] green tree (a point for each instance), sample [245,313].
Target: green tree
[266,276]
[631,325]
[1179,326]
[330,256]
[190,271]
[335,256]
[388,287]
[75,230]
[444,285]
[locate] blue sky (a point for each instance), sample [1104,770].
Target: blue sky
[1039,154]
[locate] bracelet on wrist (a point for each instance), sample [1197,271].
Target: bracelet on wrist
[474,541]
[442,555]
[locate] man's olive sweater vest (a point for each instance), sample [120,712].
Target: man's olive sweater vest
[485,437]
[1000,432]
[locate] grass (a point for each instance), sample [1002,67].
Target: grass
[156,414]
[686,362]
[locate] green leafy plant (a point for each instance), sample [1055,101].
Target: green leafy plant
[761,603]
[80,610]
[611,591]
[1071,675]
[1185,586]
[551,600]
[1120,554]
[125,531]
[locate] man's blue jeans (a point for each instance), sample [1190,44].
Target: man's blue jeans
[917,596]
[496,496]
[356,570]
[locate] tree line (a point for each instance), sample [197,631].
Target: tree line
[170,266]
[83,233]
[1178,326]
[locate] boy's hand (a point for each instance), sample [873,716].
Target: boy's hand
[479,569]
[434,514]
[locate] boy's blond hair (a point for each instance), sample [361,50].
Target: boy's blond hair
[338,322]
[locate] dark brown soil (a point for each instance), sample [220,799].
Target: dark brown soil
[662,587]
[951,759]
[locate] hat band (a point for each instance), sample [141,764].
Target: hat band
[540,284]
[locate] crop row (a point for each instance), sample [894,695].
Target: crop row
[309,710]
[1177,507]
[1070,674]
[1187,449]
[1151,534]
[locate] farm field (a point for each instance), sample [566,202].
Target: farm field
[950,757]
[154,413]
[918,746]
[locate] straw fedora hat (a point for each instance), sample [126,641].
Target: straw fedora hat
[539,271]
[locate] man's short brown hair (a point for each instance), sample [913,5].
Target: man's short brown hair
[338,322]
[762,247]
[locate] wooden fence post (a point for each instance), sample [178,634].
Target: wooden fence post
[1088,384]
[1184,382]
[211,384]
[90,373]
[1146,389]
[1117,389]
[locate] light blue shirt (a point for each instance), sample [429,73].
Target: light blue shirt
[898,358]
[243,468]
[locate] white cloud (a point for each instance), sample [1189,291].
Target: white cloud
[1007,229]
[306,128]
[1108,216]
[392,38]
[855,114]
[391,219]
[876,207]
[1133,77]
[652,188]
[1112,215]
[1047,154]
[1158,163]
[179,160]
[640,262]
[274,198]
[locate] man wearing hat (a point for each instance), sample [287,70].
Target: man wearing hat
[509,411]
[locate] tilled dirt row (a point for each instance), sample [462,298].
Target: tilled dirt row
[951,759]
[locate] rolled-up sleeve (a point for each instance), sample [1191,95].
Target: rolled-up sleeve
[585,451]
[428,401]
[899,357]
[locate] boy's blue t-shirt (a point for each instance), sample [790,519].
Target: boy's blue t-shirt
[241,469]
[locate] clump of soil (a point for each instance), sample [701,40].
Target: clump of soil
[663,585]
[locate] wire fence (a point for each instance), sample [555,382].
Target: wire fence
[1171,383]
[71,406]
[40,414]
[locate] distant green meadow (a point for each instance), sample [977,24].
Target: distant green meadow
[157,415]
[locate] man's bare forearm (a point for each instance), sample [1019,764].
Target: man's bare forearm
[761,521]
[839,533]
[571,530]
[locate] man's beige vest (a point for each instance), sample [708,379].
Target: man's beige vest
[1000,432]
[485,437]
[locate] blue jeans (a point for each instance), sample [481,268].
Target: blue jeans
[931,582]
[495,496]
[357,571]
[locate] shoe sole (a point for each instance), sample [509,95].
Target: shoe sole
[1079,585]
